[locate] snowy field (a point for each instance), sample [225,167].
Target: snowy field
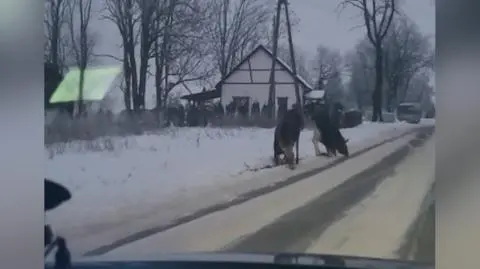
[113,179]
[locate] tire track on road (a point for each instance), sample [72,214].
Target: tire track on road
[246,197]
[295,231]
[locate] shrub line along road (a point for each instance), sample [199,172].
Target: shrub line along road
[294,225]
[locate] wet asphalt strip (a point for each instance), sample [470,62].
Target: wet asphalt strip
[295,231]
[422,132]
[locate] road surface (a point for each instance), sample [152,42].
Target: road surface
[370,205]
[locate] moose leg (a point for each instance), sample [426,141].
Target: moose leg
[290,156]
[315,139]
[287,150]
[329,151]
[278,150]
[276,153]
[329,154]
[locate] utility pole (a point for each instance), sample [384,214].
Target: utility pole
[272,92]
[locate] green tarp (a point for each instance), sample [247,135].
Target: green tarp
[97,81]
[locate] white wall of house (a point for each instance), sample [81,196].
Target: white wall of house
[259,92]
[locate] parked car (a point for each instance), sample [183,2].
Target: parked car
[409,112]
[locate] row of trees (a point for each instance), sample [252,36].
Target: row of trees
[400,51]
[407,62]
[392,64]
[69,40]
[179,41]
[174,41]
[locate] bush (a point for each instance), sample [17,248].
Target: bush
[67,129]
[63,128]
[352,118]
[387,116]
[240,121]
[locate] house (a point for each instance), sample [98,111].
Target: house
[249,82]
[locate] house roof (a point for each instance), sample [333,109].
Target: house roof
[279,61]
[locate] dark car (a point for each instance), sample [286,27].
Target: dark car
[409,112]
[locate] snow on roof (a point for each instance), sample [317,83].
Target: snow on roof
[315,94]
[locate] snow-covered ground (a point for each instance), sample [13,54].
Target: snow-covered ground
[117,179]
[378,223]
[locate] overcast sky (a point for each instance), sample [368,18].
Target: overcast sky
[321,23]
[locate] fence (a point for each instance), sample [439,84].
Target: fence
[65,129]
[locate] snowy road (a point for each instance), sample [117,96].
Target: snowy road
[363,207]
[125,189]
[377,226]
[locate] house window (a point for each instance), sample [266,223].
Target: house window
[242,104]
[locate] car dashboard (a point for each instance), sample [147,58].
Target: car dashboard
[248,261]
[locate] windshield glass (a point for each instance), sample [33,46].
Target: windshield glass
[162,122]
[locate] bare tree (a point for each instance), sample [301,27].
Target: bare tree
[167,31]
[81,40]
[377,18]
[136,21]
[183,51]
[327,68]
[124,14]
[360,63]
[326,65]
[54,20]
[334,91]
[161,54]
[419,89]
[407,51]
[283,53]
[238,26]
[282,30]
[150,12]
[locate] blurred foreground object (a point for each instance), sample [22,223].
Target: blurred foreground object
[55,194]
